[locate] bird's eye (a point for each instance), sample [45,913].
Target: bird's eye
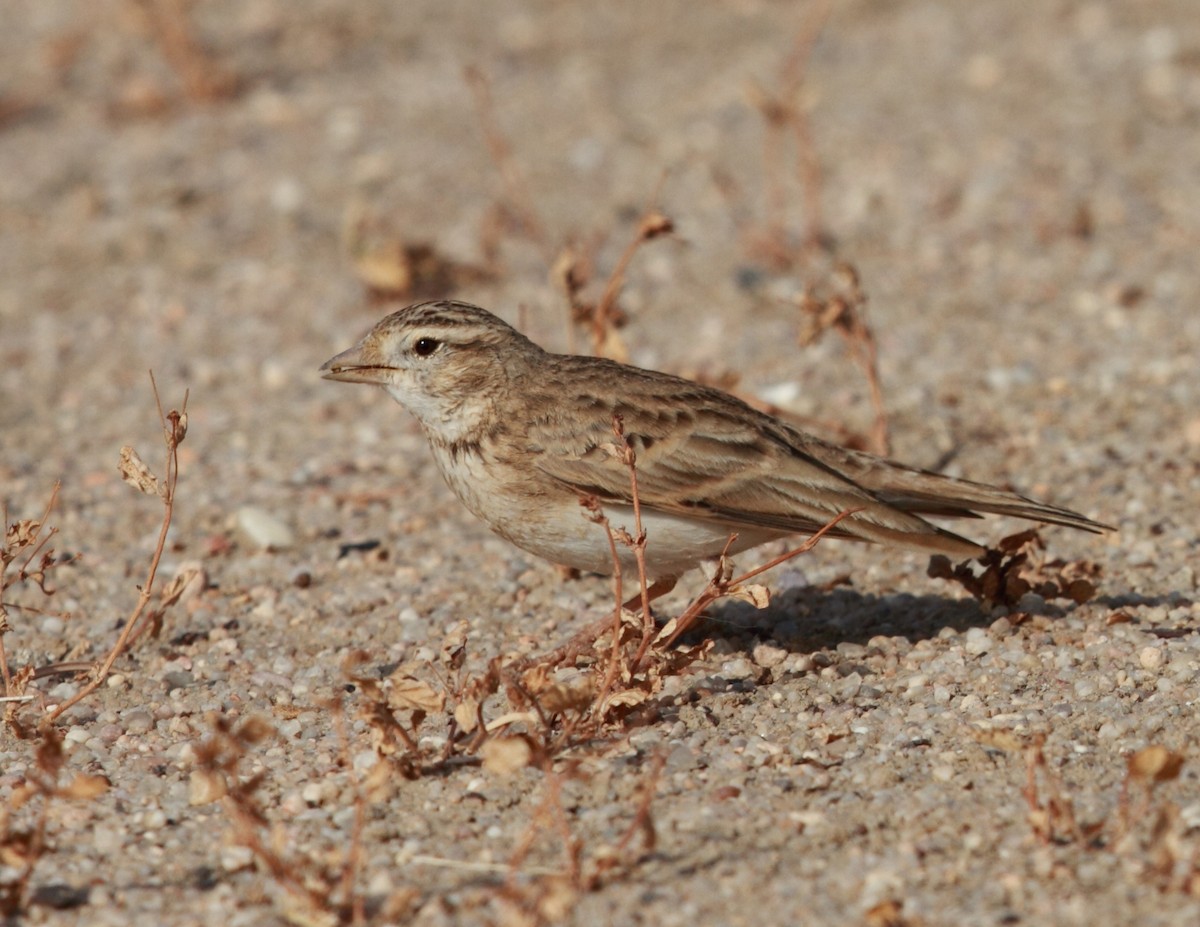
[426,346]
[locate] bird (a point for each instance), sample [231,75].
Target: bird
[524,437]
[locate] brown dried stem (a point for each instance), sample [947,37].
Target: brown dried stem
[604,316]
[22,848]
[808,163]
[845,311]
[354,852]
[34,545]
[518,200]
[629,458]
[718,587]
[174,425]
[592,504]
[780,112]
[204,81]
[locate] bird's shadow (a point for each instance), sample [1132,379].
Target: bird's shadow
[811,618]
[807,618]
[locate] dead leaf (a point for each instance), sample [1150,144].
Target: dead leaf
[756,595]
[21,534]
[85,786]
[1080,591]
[654,224]
[413,694]
[506,755]
[466,714]
[20,795]
[1155,764]
[378,784]
[613,346]
[1000,739]
[566,696]
[190,580]
[135,472]
[626,698]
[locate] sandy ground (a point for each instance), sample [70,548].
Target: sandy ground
[1019,187]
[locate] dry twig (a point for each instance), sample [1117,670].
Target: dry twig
[517,208]
[204,81]
[572,271]
[781,111]
[23,541]
[845,312]
[137,474]
[22,847]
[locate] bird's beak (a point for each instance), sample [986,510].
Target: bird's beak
[355,366]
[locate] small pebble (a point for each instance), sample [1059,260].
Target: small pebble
[234,859]
[769,655]
[738,669]
[53,625]
[977,642]
[178,680]
[137,721]
[264,529]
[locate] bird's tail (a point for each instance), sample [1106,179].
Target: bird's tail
[922,492]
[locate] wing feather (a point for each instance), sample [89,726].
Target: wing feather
[704,453]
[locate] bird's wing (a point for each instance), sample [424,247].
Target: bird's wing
[702,453]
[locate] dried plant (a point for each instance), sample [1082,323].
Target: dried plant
[144,618]
[1155,836]
[25,561]
[516,212]
[1015,567]
[844,311]
[169,24]
[315,890]
[25,818]
[392,267]
[785,111]
[603,318]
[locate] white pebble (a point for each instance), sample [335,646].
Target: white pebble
[107,840]
[235,858]
[287,195]
[264,529]
[769,655]
[154,820]
[364,759]
[1150,658]
[53,625]
[977,642]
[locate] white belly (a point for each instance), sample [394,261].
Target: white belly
[674,543]
[561,532]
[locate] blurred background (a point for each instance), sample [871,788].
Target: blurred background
[230,192]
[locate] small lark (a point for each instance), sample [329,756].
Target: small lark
[521,435]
